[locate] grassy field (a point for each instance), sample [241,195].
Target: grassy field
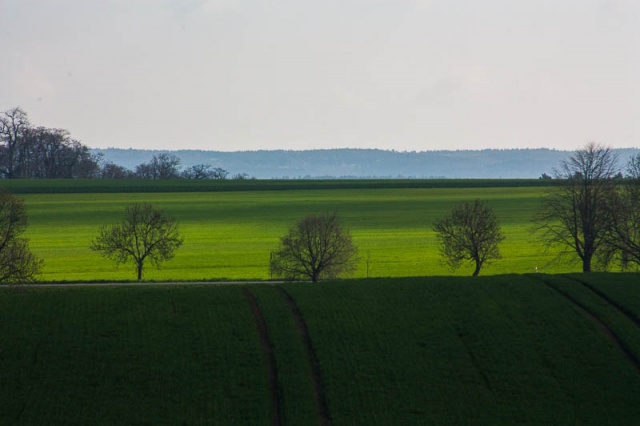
[230,233]
[506,349]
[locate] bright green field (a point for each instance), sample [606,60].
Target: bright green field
[229,235]
[503,349]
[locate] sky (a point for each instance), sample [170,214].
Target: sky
[408,75]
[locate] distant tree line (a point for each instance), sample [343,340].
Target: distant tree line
[346,163]
[166,166]
[39,152]
[28,152]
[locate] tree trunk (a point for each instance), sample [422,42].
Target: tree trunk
[586,264]
[139,271]
[478,266]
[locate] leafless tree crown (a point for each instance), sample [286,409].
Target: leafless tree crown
[574,215]
[470,233]
[622,240]
[146,233]
[317,247]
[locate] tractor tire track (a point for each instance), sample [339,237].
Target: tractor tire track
[316,378]
[474,360]
[269,356]
[606,330]
[624,311]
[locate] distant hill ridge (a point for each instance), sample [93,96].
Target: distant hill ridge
[365,163]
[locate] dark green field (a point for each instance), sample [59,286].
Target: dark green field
[86,186]
[506,349]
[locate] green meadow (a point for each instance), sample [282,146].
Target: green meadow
[230,230]
[528,349]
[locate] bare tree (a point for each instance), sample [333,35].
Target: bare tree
[317,247]
[470,233]
[633,168]
[146,233]
[204,171]
[13,125]
[166,166]
[219,173]
[161,166]
[144,171]
[110,170]
[52,153]
[574,215]
[17,263]
[241,176]
[27,152]
[622,241]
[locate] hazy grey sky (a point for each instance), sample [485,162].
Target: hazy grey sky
[297,74]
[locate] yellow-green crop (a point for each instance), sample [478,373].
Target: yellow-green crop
[230,234]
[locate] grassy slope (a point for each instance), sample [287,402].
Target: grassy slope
[440,350]
[229,234]
[150,356]
[497,350]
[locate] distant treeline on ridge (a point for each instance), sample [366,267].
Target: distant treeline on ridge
[36,152]
[363,163]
